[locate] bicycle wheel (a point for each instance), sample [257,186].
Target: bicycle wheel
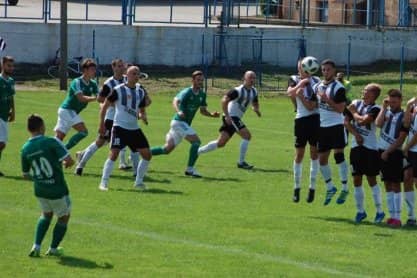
[53,72]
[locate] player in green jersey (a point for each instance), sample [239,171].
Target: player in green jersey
[45,157]
[186,103]
[82,91]
[7,92]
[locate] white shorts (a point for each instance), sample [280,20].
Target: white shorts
[178,131]
[4,131]
[60,207]
[66,119]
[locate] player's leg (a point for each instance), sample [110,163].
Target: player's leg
[64,123]
[172,138]
[84,156]
[314,169]
[4,132]
[397,204]
[62,209]
[82,132]
[41,227]
[297,169]
[141,145]
[338,144]
[357,163]
[193,155]
[226,132]
[118,142]
[377,197]
[410,175]
[324,148]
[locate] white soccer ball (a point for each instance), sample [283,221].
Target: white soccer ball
[310,65]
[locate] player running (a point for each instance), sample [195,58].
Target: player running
[82,91]
[234,105]
[306,126]
[45,157]
[186,103]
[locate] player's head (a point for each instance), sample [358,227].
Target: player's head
[88,67]
[370,93]
[328,69]
[118,67]
[133,74]
[7,65]
[249,78]
[339,76]
[394,99]
[197,78]
[35,124]
[301,72]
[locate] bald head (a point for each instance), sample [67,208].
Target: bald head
[133,74]
[249,78]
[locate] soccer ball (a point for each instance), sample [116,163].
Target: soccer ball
[310,65]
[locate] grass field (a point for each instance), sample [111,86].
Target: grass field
[231,223]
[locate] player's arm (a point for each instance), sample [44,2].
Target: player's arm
[255,106]
[148,100]
[310,104]
[352,130]
[338,103]
[178,107]
[68,161]
[408,113]
[397,144]
[104,92]
[12,113]
[412,142]
[142,111]
[25,167]
[75,86]
[205,112]
[62,152]
[103,109]
[231,95]
[380,119]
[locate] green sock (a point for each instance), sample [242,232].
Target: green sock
[158,150]
[58,234]
[41,229]
[193,153]
[77,137]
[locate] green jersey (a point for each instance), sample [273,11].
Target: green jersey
[6,97]
[44,156]
[190,102]
[79,86]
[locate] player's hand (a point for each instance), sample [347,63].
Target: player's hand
[181,114]
[304,82]
[102,130]
[11,117]
[411,102]
[257,112]
[323,96]
[299,92]
[384,156]
[144,118]
[352,108]
[215,114]
[293,94]
[359,139]
[385,103]
[228,120]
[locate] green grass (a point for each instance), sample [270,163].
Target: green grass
[232,223]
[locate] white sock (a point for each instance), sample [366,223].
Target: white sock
[88,153]
[390,204]
[376,194]
[134,156]
[326,172]
[243,150]
[297,173]
[107,169]
[359,197]
[211,146]
[314,169]
[410,200]
[397,205]
[122,157]
[142,168]
[343,173]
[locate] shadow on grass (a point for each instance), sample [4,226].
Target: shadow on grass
[82,263]
[149,191]
[209,179]
[17,178]
[129,177]
[270,170]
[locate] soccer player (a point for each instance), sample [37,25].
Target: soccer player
[393,133]
[82,91]
[129,101]
[332,135]
[45,157]
[306,126]
[234,105]
[7,108]
[186,103]
[364,156]
[119,68]
[340,76]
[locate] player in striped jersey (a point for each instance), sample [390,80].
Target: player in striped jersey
[332,136]
[393,134]
[234,105]
[306,127]
[129,100]
[364,156]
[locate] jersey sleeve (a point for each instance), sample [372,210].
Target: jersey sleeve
[291,82]
[76,87]
[113,96]
[95,88]
[340,96]
[374,112]
[142,103]
[59,149]
[105,91]
[204,101]
[232,94]
[24,163]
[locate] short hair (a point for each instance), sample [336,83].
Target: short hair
[196,73]
[35,122]
[7,59]
[328,62]
[375,88]
[395,93]
[115,61]
[87,63]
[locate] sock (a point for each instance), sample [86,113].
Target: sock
[359,197]
[158,150]
[75,139]
[326,172]
[192,158]
[243,150]
[134,156]
[343,173]
[41,229]
[390,204]
[297,174]
[58,234]
[376,194]
[122,157]
[88,153]
[314,169]
[410,200]
[397,205]
[211,146]
[107,169]
[142,168]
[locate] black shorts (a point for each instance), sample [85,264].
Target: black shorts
[108,124]
[412,158]
[392,170]
[332,137]
[134,139]
[237,125]
[306,129]
[364,161]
